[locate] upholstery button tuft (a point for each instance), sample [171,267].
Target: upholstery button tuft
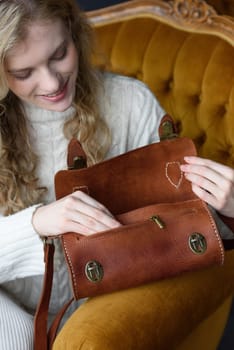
[178,126]
[196,99]
[221,111]
[168,85]
[200,140]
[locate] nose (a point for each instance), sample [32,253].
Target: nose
[49,81]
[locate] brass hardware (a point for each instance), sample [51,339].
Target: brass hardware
[158,221]
[78,163]
[197,243]
[94,271]
[168,130]
[47,240]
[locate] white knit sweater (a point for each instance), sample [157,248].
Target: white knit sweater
[133,115]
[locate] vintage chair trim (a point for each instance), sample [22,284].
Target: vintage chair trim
[188,15]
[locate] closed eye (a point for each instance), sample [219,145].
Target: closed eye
[60,53]
[21,75]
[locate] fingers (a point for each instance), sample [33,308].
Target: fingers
[76,212]
[86,199]
[220,169]
[88,215]
[89,212]
[207,179]
[212,182]
[77,227]
[205,195]
[211,176]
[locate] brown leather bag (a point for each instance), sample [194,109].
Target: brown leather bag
[167,230]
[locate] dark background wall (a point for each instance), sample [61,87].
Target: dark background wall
[94,4]
[221,6]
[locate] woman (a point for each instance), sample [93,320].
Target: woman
[50,93]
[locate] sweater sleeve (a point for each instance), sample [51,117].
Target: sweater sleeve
[21,247]
[132,113]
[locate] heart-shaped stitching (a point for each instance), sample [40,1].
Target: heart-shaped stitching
[174,174]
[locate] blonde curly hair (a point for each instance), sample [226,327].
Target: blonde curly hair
[18,183]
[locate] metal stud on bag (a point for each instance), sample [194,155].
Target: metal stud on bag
[157,220]
[197,243]
[94,271]
[167,130]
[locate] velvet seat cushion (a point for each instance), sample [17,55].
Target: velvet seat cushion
[120,320]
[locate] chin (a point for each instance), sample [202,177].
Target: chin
[57,106]
[61,108]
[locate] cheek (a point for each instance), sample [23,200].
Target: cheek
[19,88]
[13,85]
[73,59]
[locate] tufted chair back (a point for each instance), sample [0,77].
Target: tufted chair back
[186,56]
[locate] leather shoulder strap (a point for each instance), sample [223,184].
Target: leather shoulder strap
[43,340]
[76,157]
[41,316]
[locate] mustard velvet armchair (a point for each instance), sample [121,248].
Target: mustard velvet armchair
[184,51]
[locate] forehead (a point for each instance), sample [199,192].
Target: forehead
[41,39]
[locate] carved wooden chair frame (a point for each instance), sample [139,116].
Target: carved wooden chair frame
[189,15]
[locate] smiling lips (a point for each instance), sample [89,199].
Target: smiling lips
[57,96]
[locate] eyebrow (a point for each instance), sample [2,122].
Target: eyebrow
[63,44]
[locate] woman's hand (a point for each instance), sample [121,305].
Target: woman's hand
[212,182]
[76,212]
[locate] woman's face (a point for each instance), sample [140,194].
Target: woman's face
[42,69]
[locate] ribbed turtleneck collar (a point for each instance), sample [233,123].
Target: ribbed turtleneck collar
[39,115]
